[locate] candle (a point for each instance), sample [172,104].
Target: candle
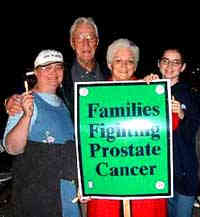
[26,86]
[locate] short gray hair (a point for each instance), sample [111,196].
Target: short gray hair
[122,43]
[85,20]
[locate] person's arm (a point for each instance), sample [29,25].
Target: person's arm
[15,140]
[13,105]
[190,121]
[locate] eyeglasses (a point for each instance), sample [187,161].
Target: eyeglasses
[48,68]
[166,61]
[89,37]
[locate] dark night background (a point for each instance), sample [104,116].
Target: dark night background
[27,32]
[29,27]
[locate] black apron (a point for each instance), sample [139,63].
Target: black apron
[37,173]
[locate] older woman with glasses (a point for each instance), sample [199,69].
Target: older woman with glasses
[41,138]
[122,60]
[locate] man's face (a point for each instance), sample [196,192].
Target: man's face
[84,42]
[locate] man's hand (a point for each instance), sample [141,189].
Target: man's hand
[13,104]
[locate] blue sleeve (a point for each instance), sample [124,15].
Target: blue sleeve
[13,120]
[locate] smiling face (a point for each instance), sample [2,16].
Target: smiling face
[123,64]
[49,77]
[171,65]
[84,42]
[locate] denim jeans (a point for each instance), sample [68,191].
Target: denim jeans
[180,205]
[68,193]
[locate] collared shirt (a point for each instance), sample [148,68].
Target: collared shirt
[78,73]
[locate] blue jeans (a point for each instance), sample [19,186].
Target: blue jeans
[180,205]
[68,193]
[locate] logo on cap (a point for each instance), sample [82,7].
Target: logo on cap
[47,57]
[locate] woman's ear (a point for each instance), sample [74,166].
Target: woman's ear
[110,66]
[158,63]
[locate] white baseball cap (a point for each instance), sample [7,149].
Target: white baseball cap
[47,57]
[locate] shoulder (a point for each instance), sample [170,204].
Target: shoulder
[105,72]
[181,90]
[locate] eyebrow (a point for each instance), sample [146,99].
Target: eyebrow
[129,58]
[85,33]
[172,59]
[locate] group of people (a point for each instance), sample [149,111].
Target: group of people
[40,132]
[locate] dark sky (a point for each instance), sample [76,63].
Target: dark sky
[24,36]
[26,33]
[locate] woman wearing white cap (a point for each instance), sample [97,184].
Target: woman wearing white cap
[41,138]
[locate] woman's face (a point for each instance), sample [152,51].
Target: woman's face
[123,64]
[171,65]
[50,77]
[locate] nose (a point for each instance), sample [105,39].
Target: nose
[124,66]
[52,70]
[86,42]
[169,66]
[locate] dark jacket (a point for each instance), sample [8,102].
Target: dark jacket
[67,90]
[184,154]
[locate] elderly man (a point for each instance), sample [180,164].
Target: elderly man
[84,39]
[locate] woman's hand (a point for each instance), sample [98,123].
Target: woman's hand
[176,108]
[27,104]
[80,198]
[151,77]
